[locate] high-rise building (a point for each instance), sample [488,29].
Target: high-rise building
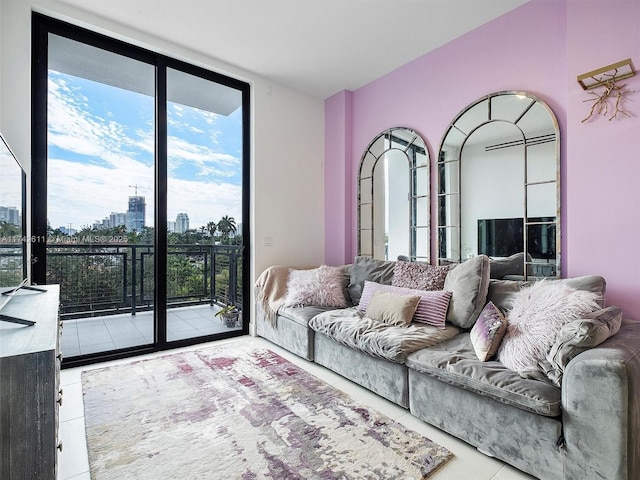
[136,214]
[117,218]
[182,223]
[10,215]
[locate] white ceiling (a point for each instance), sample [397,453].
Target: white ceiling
[317,46]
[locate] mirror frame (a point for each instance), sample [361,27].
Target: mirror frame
[368,163]
[445,198]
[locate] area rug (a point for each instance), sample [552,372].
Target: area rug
[240,412]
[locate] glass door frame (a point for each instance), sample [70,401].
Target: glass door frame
[42,26]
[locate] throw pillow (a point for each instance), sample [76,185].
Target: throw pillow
[580,335]
[391,308]
[320,287]
[431,310]
[537,314]
[501,267]
[468,283]
[501,291]
[366,268]
[419,276]
[488,331]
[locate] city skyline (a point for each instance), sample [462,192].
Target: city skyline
[101,146]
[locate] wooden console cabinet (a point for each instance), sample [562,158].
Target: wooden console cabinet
[30,387]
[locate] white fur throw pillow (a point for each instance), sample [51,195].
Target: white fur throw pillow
[320,287]
[537,314]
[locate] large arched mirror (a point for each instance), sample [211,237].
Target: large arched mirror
[393,197]
[499,184]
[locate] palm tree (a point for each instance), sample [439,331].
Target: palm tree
[212,227]
[227,226]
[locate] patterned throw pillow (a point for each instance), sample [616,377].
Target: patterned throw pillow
[320,287]
[391,308]
[419,276]
[431,310]
[488,331]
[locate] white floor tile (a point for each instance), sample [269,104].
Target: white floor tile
[72,406]
[73,459]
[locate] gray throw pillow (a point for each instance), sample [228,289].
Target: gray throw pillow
[501,267]
[501,291]
[366,268]
[580,335]
[468,283]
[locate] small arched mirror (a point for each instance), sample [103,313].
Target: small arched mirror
[393,197]
[499,184]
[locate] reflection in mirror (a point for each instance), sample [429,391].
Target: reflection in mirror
[498,184]
[393,197]
[12,185]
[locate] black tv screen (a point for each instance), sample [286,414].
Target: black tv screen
[502,237]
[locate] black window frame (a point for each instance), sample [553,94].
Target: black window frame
[42,26]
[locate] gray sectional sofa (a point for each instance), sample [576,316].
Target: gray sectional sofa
[584,423]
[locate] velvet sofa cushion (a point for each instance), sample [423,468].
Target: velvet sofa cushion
[501,291]
[302,315]
[512,265]
[365,268]
[468,283]
[455,362]
[577,336]
[351,328]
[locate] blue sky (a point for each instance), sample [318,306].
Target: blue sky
[101,145]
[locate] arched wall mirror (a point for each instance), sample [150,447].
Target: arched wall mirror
[393,197]
[499,184]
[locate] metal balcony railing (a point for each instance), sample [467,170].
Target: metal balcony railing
[102,279]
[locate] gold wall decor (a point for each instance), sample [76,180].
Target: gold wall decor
[606,78]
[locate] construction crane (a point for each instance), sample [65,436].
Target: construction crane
[136,188]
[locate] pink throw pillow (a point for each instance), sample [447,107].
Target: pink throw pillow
[431,310]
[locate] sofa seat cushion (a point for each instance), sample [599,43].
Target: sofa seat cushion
[351,328]
[302,315]
[455,362]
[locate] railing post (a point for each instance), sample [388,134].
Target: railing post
[212,274]
[204,273]
[125,271]
[133,280]
[233,276]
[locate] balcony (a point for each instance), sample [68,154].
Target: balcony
[107,291]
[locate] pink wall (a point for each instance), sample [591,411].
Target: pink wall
[540,48]
[337,179]
[603,159]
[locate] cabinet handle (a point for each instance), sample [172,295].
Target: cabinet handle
[60,397]
[60,446]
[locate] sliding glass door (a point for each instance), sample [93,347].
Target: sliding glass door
[204,204]
[139,186]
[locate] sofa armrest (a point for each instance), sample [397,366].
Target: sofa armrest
[601,409]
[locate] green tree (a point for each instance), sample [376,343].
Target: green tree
[227,226]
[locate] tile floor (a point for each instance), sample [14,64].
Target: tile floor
[100,334]
[468,464]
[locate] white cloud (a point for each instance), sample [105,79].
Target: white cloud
[79,193]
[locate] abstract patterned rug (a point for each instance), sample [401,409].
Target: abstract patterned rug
[240,412]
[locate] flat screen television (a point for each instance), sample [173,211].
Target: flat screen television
[13,182]
[13,265]
[502,237]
